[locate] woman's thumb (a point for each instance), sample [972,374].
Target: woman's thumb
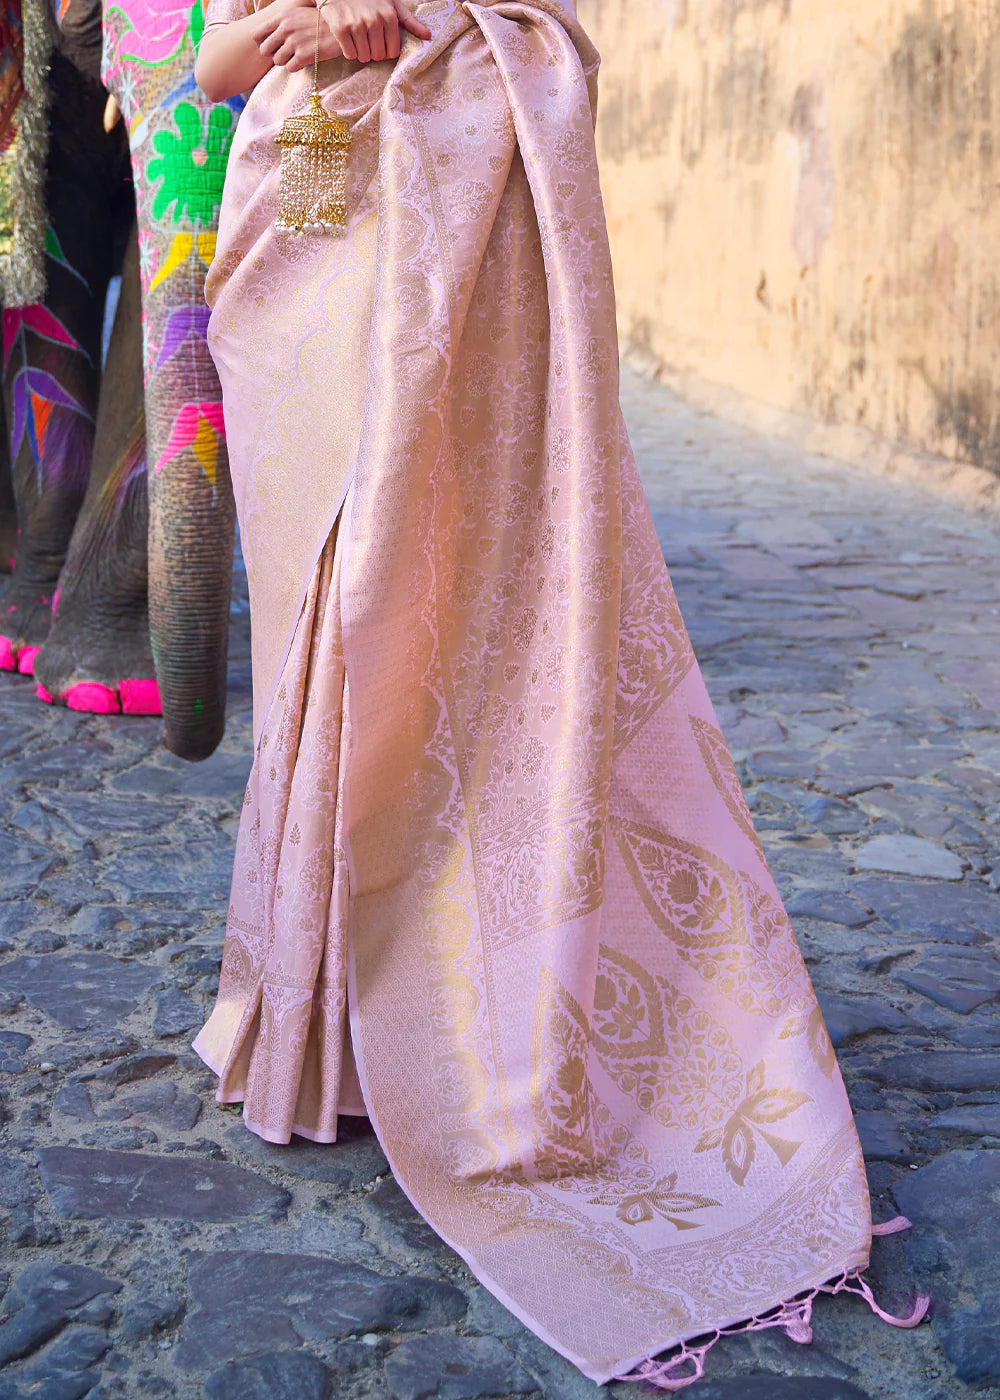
[409,21]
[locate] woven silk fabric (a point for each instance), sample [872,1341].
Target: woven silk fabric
[496,882]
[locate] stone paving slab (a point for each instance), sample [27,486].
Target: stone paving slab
[151,1247]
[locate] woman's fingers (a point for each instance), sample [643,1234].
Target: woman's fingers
[265,27]
[372,27]
[305,53]
[364,30]
[346,43]
[291,43]
[409,21]
[376,40]
[270,45]
[392,36]
[359,33]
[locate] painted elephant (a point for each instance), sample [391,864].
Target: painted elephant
[119,595]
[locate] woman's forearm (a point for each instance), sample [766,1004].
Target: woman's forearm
[235,56]
[229,58]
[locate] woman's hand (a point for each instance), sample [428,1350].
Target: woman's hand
[229,59]
[363,29]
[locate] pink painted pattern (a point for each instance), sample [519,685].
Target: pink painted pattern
[188,425]
[156,31]
[37,319]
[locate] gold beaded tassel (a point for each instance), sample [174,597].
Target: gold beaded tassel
[314,146]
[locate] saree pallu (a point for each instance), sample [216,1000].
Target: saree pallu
[496,883]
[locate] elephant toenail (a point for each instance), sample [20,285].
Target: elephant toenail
[93,698]
[140,697]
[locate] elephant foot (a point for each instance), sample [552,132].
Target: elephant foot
[97,663]
[18,659]
[137,696]
[24,623]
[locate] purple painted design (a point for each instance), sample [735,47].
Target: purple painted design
[34,395]
[182,324]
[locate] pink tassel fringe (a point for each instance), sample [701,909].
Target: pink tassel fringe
[794,1317]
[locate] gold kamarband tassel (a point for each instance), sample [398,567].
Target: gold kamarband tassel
[314,146]
[313,171]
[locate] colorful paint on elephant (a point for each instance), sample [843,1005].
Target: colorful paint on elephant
[86,511]
[180,144]
[36,394]
[54,250]
[151,33]
[49,381]
[179,147]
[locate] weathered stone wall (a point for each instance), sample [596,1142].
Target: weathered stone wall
[803,204]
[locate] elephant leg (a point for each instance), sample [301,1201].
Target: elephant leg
[191,536]
[52,356]
[8,506]
[98,655]
[180,144]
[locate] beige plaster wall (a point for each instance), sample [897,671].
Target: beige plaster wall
[803,204]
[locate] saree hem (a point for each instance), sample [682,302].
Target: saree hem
[793,1315]
[793,1309]
[261,1130]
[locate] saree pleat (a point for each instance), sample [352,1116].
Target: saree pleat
[492,822]
[278,1034]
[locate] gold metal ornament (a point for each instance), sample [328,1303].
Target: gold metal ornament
[314,146]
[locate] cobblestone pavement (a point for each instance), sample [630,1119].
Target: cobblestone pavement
[850,633]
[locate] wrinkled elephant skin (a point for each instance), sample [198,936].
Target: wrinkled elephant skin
[52,352]
[137,463]
[180,144]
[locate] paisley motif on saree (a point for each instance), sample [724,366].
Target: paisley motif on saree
[491,822]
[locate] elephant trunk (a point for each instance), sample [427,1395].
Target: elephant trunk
[191,529]
[180,145]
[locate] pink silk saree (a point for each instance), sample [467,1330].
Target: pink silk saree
[496,883]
